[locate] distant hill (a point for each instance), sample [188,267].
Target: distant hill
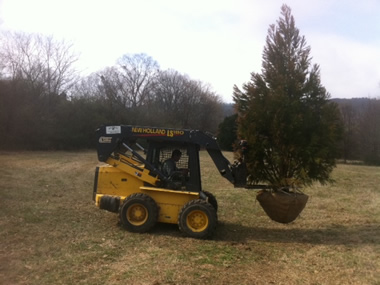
[358,104]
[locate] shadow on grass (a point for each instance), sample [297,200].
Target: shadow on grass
[333,234]
[336,235]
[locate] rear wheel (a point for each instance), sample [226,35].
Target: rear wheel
[139,213]
[197,219]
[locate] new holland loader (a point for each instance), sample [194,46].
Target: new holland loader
[133,183]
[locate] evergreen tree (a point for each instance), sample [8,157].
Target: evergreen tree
[284,113]
[227,133]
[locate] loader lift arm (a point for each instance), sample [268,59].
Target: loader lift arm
[110,138]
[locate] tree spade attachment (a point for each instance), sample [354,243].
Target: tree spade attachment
[282,206]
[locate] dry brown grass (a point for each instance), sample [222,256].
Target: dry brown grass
[51,233]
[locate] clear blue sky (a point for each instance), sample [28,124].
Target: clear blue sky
[217,42]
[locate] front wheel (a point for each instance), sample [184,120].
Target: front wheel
[139,213]
[197,219]
[211,199]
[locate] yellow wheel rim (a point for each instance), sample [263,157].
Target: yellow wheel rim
[137,214]
[197,221]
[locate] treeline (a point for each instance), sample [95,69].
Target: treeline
[45,104]
[361,120]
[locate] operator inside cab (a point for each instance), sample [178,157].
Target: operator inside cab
[170,169]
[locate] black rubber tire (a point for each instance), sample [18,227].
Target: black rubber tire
[109,203]
[197,219]
[212,200]
[139,213]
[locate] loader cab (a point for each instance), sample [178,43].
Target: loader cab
[190,179]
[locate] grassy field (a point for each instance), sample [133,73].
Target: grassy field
[51,233]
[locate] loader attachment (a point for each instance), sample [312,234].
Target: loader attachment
[239,171]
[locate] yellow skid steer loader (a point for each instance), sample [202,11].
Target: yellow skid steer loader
[137,183]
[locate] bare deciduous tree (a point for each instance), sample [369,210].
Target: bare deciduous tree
[136,78]
[186,103]
[89,87]
[42,61]
[169,89]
